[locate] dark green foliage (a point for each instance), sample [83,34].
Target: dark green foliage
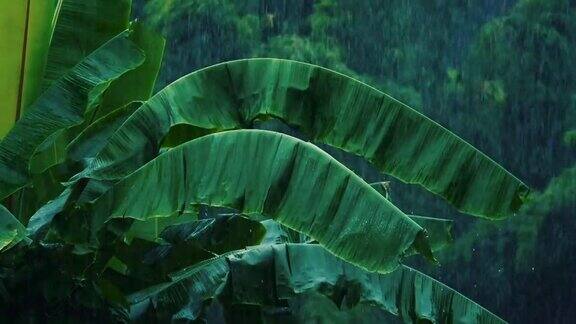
[499,73]
[140,232]
[522,65]
[273,276]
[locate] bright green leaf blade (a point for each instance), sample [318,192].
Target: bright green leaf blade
[328,107]
[266,275]
[62,106]
[82,27]
[12,34]
[25,30]
[275,175]
[43,17]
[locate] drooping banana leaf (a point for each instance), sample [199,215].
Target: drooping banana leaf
[62,106]
[439,232]
[63,161]
[328,107]
[138,84]
[134,85]
[267,275]
[25,30]
[71,145]
[262,173]
[44,215]
[84,140]
[74,144]
[82,27]
[11,230]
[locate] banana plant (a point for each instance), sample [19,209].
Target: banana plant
[121,207]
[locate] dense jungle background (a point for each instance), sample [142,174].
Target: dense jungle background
[500,73]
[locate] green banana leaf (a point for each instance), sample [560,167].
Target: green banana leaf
[439,232]
[25,31]
[63,160]
[63,106]
[329,108]
[44,215]
[87,143]
[55,160]
[138,84]
[266,276]
[134,85]
[71,145]
[81,28]
[262,173]
[11,230]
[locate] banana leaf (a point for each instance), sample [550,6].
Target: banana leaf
[134,85]
[63,161]
[55,160]
[137,84]
[329,108]
[63,106]
[439,232]
[25,31]
[262,173]
[76,143]
[11,230]
[268,276]
[81,28]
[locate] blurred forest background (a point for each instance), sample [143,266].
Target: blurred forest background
[500,73]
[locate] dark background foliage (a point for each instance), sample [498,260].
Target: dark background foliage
[500,73]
